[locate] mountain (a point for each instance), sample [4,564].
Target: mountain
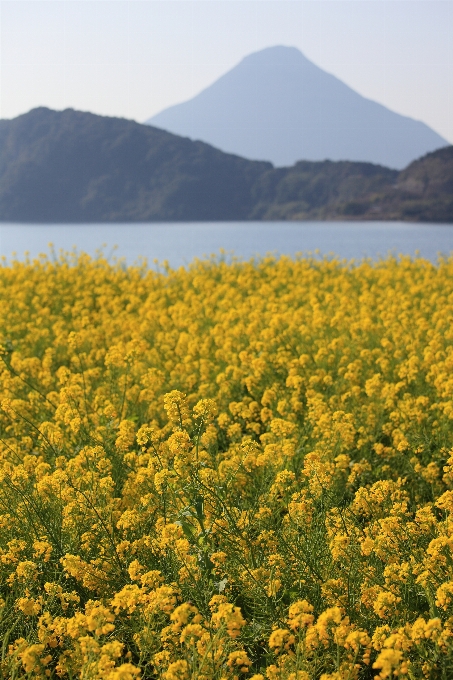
[278,106]
[70,166]
[422,192]
[319,189]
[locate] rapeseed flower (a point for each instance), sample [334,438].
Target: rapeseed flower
[234,470]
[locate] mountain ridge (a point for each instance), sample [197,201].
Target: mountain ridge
[72,166]
[76,166]
[277,105]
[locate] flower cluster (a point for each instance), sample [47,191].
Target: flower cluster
[234,470]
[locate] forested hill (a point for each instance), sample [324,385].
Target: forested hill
[422,192]
[72,166]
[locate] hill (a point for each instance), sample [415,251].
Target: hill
[71,166]
[423,192]
[278,106]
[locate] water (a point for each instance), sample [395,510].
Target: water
[180,243]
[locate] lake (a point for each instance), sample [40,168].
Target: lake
[180,243]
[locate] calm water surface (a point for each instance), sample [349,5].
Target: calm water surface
[180,243]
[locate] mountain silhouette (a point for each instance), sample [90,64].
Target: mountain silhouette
[72,166]
[278,106]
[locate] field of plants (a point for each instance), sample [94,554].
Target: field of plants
[234,470]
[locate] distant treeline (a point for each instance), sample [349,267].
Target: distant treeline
[72,166]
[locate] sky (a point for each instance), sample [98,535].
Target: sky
[133,58]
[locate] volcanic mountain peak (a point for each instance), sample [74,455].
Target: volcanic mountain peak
[277,105]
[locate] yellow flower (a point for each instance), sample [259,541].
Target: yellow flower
[325,475]
[29,606]
[32,659]
[218,558]
[178,670]
[239,658]
[300,615]
[179,442]
[444,595]
[391,663]
[281,639]
[385,604]
[176,407]
[124,672]
[126,435]
[205,409]
[229,616]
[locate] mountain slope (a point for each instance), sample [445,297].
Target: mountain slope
[311,189]
[423,192]
[73,166]
[278,106]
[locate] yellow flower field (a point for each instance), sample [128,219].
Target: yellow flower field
[235,470]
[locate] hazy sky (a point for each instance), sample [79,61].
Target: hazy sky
[133,58]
